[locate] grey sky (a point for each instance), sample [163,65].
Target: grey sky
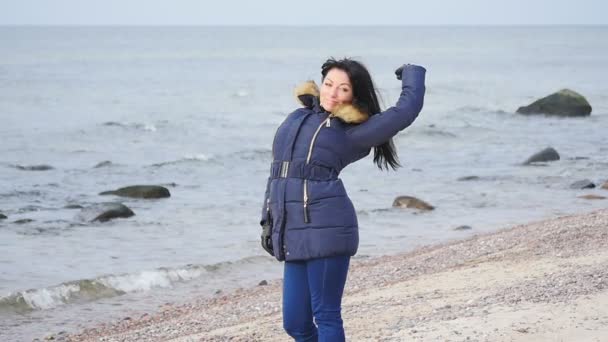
[310,12]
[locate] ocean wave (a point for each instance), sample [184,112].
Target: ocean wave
[107,286]
[255,154]
[32,193]
[185,159]
[431,131]
[252,154]
[41,167]
[136,125]
[241,93]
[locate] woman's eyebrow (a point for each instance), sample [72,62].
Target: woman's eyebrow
[329,79]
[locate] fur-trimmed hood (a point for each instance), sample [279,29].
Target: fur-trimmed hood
[308,95]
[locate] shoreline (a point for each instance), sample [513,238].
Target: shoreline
[543,280]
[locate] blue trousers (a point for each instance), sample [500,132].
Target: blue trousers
[314,288]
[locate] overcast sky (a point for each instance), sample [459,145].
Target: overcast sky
[310,12]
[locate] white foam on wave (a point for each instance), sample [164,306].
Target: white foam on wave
[101,287]
[147,280]
[149,127]
[241,93]
[199,156]
[185,159]
[47,298]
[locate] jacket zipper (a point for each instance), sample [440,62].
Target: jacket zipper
[327,123]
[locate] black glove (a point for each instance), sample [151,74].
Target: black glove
[267,237]
[399,71]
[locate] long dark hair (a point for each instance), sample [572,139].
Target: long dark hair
[365,99]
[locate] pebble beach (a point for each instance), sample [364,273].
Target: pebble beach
[541,281]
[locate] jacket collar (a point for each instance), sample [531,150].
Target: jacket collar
[308,95]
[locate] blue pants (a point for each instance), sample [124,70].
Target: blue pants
[313,288]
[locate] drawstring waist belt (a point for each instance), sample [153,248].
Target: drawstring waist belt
[299,169]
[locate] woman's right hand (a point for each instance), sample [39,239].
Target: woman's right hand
[399,71]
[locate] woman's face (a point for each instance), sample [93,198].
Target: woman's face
[336,89]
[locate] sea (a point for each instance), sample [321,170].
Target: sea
[194,109]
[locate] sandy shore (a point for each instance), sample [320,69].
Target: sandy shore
[543,281]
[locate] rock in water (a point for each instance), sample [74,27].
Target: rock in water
[411,202]
[34,167]
[3,217]
[140,191]
[582,184]
[103,212]
[548,154]
[103,164]
[592,197]
[468,178]
[73,206]
[563,103]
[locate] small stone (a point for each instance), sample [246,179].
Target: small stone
[468,178]
[263,283]
[592,197]
[104,163]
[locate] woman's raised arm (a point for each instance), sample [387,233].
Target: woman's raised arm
[379,128]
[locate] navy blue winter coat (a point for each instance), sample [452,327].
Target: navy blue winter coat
[311,213]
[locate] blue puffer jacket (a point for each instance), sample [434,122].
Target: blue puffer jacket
[310,210]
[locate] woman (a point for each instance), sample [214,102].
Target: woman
[308,220]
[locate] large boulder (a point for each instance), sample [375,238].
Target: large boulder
[103,212]
[546,155]
[411,202]
[563,103]
[140,191]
